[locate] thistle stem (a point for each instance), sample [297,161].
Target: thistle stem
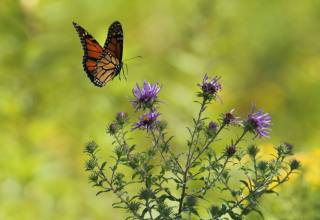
[190,144]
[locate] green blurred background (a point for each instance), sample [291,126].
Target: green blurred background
[267,52]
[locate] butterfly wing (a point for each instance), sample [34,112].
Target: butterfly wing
[102,64]
[110,63]
[114,41]
[92,52]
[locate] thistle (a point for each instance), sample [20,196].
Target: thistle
[145,96]
[147,120]
[174,185]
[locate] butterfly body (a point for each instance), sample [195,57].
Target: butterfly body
[102,64]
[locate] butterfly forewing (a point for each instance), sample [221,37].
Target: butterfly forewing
[102,64]
[114,41]
[92,51]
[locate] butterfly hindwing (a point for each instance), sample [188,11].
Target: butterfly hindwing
[102,64]
[106,70]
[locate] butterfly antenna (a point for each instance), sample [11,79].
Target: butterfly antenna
[140,57]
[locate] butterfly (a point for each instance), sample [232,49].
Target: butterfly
[102,64]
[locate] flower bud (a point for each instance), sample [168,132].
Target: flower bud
[209,87]
[112,129]
[230,151]
[146,194]
[253,150]
[122,117]
[91,164]
[230,118]
[191,201]
[294,164]
[262,165]
[214,210]
[91,147]
[285,149]
[212,129]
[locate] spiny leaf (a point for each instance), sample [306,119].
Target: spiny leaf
[102,191]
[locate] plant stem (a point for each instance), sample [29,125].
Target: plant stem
[207,145]
[156,141]
[190,144]
[240,138]
[255,167]
[257,189]
[116,192]
[149,209]
[227,159]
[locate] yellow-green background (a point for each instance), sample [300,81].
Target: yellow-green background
[267,52]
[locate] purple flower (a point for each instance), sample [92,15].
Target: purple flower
[209,87]
[147,120]
[231,118]
[146,96]
[212,128]
[258,123]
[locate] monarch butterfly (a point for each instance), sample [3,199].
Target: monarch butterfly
[102,64]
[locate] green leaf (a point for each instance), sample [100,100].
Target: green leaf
[194,211]
[270,191]
[103,165]
[246,184]
[102,191]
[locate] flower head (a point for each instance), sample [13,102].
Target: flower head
[263,165]
[209,87]
[230,118]
[258,123]
[285,149]
[121,117]
[295,164]
[212,128]
[288,147]
[252,150]
[191,201]
[147,120]
[146,96]
[91,147]
[214,210]
[112,128]
[230,151]
[146,194]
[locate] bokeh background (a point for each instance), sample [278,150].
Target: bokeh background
[267,52]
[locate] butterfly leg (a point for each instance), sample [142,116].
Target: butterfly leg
[124,74]
[127,68]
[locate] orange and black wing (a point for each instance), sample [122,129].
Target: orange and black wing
[110,63]
[107,68]
[114,41]
[92,53]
